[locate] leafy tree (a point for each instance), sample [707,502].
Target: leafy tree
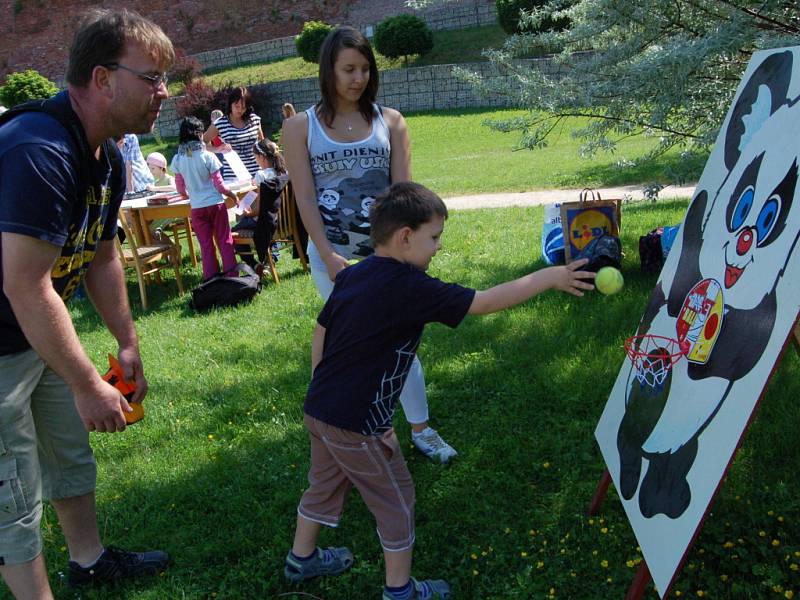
[668,68]
[26,85]
[508,15]
[309,41]
[403,35]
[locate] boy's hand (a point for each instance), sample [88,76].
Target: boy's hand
[569,279]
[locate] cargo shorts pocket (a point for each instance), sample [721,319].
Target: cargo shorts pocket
[12,501]
[354,458]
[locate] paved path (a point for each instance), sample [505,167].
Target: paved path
[536,198]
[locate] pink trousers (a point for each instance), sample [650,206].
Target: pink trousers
[211,224]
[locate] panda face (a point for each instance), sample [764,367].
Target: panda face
[329,199]
[760,218]
[366,204]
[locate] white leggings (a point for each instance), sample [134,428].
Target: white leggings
[412,398]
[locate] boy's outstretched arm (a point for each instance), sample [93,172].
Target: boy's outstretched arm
[566,278]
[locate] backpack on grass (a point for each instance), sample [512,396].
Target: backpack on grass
[219,290]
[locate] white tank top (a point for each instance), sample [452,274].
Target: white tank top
[347,177]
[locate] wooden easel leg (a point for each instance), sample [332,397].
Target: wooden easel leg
[600,493]
[639,583]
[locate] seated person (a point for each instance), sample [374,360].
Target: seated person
[157,163]
[137,175]
[260,219]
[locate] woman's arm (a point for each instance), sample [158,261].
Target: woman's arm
[210,133]
[299,166]
[400,165]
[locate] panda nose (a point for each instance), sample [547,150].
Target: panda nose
[744,242]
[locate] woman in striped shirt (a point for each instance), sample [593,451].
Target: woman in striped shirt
[240,128]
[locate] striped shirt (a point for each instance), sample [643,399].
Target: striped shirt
[242,141]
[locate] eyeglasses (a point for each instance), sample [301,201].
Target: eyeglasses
[155,80]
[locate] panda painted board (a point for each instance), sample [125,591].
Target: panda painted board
[730,292]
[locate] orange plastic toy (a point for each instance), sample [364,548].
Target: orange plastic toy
[115,377]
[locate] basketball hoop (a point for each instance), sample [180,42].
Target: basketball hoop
[652,356]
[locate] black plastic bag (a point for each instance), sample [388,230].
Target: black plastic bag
[220,290]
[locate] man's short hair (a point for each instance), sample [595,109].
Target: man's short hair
[404,204]
[101,37]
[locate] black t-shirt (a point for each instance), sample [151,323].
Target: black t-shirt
[373,323]
[51,190]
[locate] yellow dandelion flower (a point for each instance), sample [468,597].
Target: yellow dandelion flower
[552,591]
[700,593]
[723,578]
[484,553]
[604,563]
[63,548]
[728,545]
[563,551]
[540,564]
[771,513]
[508,529]
[546,465]
[609,580]
[473,556]
[797,553]
[629,564]
[762,533]
[780,519]
[523,554]
[591,521]
[532,532]
[474,572]
[794,567]
[777,588]
[604,530]
[776,543]
[678,593]
[573,574]
[594,552]
[211,436]
[788,594]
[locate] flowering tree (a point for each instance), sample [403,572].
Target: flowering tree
[668,68]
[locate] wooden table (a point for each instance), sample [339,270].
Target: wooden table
[143,214]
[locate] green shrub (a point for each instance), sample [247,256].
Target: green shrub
[403,35]
[310,40]
[26,85]
[508,16]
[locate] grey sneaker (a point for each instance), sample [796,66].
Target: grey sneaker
[432,445]
[330,561]
[428,589]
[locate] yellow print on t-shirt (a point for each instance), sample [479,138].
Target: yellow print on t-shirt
[105,196]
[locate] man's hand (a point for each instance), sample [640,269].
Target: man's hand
[101,407]
[133,370]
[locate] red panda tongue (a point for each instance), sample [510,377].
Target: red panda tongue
[732,275]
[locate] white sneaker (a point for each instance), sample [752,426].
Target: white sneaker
[432,445]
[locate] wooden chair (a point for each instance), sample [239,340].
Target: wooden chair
[147,260]
[182,228]
[286,234]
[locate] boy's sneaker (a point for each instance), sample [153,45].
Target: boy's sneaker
[432,445]
[330,561]
[428,589]
[116,564]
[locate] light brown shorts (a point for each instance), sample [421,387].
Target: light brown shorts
[375,465]
[44,451]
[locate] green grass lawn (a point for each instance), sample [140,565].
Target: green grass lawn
[453,153]
[214,472]
[459,46]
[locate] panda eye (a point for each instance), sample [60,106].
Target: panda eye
[767,218]
[742,208]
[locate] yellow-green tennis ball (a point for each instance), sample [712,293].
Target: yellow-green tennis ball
[609,281]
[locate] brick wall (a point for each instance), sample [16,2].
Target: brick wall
[453,15]
[432,87]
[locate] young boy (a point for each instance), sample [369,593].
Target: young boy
[365,339]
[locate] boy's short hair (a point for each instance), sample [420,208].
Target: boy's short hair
[405,204]
[101,38]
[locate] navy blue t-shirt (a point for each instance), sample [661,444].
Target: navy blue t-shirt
[373,324]
[43,194]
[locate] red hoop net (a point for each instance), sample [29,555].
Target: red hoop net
[653,356]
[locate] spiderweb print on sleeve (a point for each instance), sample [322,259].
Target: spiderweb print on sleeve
[380,414]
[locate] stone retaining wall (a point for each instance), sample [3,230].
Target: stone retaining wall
[452,16]
[433,87]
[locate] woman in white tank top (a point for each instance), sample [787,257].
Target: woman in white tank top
[341,153]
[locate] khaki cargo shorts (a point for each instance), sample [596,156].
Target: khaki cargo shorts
[44,451]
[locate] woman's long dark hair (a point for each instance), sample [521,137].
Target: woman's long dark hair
[336,41]
[237,94]
[191,130]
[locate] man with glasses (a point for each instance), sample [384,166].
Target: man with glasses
[61,184]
